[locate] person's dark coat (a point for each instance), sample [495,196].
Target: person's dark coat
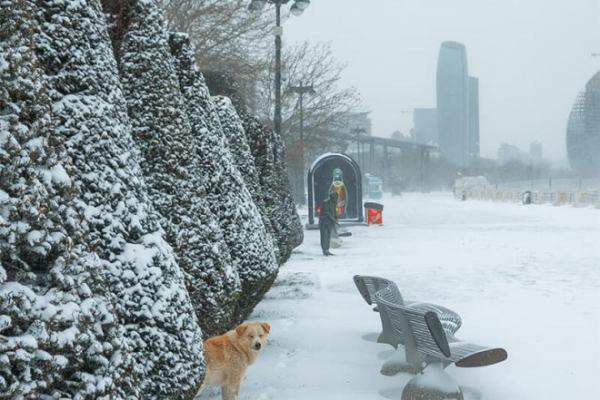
[327,221]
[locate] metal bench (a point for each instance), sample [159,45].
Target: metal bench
[369,285]
[426,341]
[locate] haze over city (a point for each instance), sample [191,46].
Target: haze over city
[532,58]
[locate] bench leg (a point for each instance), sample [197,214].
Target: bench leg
[394,367]
[397,364]
[432,384]
[386,338]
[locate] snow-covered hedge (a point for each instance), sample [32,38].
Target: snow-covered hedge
[249,243]
[268,153]
[173,169]
[269,157]
[126,224]
[57,327]
[107,316]
[244,160]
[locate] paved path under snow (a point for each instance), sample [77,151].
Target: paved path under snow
[523,277]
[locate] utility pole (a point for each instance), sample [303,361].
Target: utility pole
[278,34]
[301,91]
[296,9]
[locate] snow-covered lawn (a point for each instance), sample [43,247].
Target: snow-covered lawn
[526,278]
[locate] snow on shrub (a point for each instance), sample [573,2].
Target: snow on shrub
[151,347]
[269,155]
[238,145]
[269,160]
[249,243]
[172,167]
[57,327]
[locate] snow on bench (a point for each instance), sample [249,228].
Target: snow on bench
[369,285]
[427,333]
[425,339]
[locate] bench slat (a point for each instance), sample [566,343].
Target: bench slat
[429,337]
[369,285]
[450,320]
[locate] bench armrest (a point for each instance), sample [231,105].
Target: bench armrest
[437,332]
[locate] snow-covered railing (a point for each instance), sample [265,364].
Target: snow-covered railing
[559,198]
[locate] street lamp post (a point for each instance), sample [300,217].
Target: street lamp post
[296,9]
[301,91]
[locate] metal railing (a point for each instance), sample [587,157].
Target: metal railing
[589,198]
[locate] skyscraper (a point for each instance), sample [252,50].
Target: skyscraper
[473,137]
[425,122]
[457,106]
[452,102]
[583,130]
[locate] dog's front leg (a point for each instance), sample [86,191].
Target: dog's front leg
[231,391]
[202,386]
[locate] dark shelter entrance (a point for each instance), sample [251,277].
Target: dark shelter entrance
[340,173]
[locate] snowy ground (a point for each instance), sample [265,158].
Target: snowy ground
[525,278]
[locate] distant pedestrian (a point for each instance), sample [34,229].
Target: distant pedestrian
[327,222]
[527,197]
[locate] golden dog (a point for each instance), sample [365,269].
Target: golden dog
[228,356]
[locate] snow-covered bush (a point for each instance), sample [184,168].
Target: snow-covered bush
[269,160]
[91,297]
[57,329]
[269,157]
[172,167]
[249,243]
[238,145]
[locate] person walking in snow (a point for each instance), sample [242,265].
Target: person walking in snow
[327,222]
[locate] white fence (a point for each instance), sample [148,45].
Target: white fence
[590,198]
[552,185]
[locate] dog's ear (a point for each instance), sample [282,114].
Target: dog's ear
[241,329]
[266,327]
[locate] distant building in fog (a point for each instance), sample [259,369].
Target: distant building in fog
[426,126]
[508,153]
[350,121]
[583,130]
[457,106]
[473,139]
[535,152]
[452,102]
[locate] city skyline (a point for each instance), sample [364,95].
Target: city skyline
[532,58]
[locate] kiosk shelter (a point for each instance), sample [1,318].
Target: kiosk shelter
[340,173]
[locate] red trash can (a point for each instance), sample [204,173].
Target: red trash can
[374,213]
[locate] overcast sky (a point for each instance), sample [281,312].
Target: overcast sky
[532,57]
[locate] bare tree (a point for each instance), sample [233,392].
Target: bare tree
[226,36]
[325,112]
[229,38]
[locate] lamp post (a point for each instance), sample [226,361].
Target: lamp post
[296,9]
[301,91]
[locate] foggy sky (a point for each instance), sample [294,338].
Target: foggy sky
[532,57]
